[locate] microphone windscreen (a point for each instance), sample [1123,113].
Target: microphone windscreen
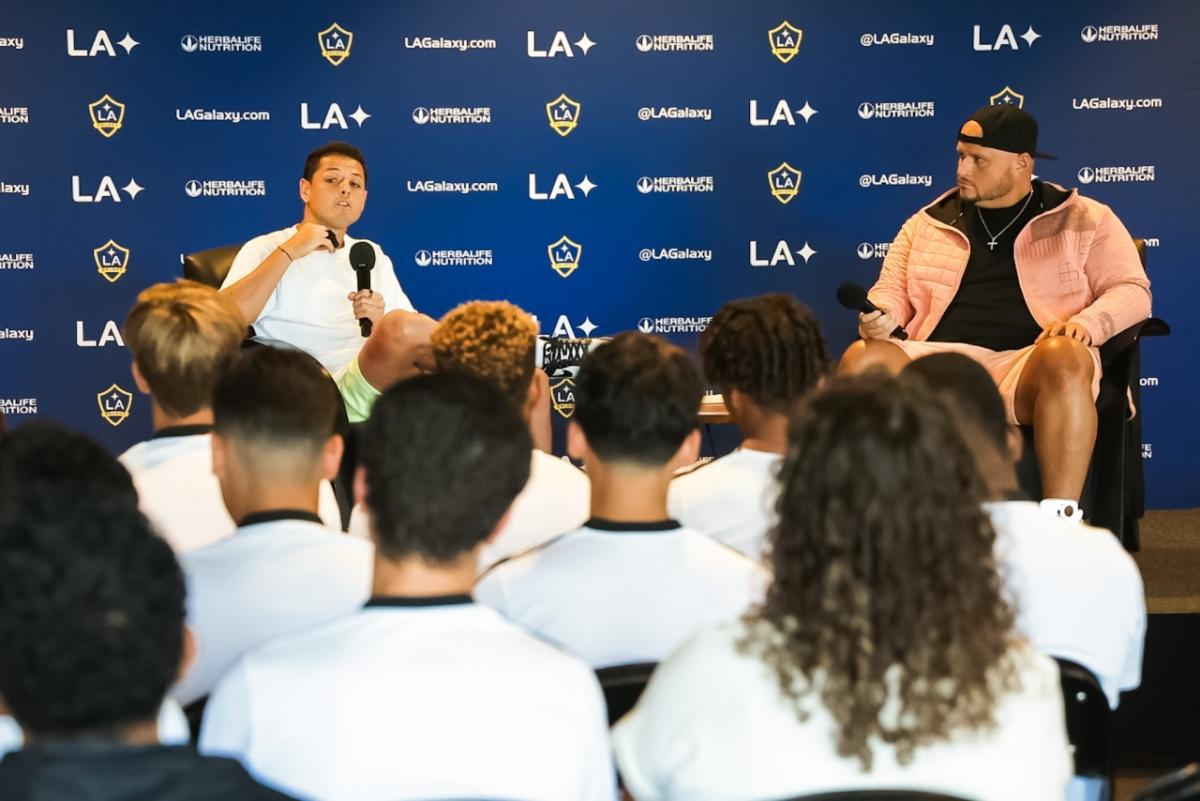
[362,256]
[849,294]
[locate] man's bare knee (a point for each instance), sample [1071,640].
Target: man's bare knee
[872,354]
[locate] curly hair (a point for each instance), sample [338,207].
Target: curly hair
[492,339]
[886,588]
[769,347]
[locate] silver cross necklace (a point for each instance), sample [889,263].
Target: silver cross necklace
[998,234]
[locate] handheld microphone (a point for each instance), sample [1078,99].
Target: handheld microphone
[853,296]
[362,259]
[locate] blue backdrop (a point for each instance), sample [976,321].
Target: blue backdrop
[119,121]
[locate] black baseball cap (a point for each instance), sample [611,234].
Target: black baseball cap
[1003,127]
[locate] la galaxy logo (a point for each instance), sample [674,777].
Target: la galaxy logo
[562,396]
[112,260]
[563,113]
[115,404]
[1007,96]
[107,115]
[784,181]
[785,41]
[564,256]
[335,42]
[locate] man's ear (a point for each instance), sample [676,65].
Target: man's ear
[577,444]
[500,524]
[689,450]
[360,486]
[219,446]
[191,649]
[331,456]
[305,186]
[1016,444]
[139,379]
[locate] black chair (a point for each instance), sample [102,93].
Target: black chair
[1089,720]
[210,266]
[623,686]
[1181,785]
[876,795]
[1114,494]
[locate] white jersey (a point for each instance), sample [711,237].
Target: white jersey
[308,307]
[619,593]
[714,726]
[415,698]
[280,572]
[1078,594]
[179,494]
[731,499]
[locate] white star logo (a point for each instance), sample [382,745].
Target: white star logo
[132,188]
[585,44]
[585,186]
[806,111]
[359,116]
[128,42]
[806,252]
[1030,36]
[587,326]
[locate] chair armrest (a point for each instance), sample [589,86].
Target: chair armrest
[1150,327]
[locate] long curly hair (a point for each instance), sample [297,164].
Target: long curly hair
[886,592]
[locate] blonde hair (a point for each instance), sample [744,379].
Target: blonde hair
[181,335]
[490,339]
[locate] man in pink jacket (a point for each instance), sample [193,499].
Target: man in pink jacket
[1025,277]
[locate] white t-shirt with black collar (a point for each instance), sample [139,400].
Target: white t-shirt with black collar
[731,499]
[178,493]
[620,593]
[308,307]
[415,698]
[279,573]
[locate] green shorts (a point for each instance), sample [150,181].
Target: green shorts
[357,392]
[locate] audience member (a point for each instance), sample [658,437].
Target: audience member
[631,584]
[763,354]
[884,654]
[423,693]
[275,413]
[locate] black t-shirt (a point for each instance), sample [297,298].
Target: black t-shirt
[989,308]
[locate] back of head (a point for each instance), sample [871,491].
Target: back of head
[494,340]
[91,601]
[277,405]
[883,564]
[769,348]
[637,398]
[444,455]
[181,335]
[969,388]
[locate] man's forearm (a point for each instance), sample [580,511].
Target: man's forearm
[251,292]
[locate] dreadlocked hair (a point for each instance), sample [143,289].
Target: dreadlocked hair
[768,347]
[886,589]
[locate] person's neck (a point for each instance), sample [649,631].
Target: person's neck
[767,433]
[413,576]
[1008,200]
[160,418]
[254,496]
[142,733]
[625,493]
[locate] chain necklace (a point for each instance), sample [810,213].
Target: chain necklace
[998,234]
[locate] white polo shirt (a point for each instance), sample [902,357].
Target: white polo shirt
[1078,594]
[308,307]
[280,572]
[714,726]
[179,494]
[415,698]
[731,499]
[619,593]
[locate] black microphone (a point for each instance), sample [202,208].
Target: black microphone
[362,259]
[853,296]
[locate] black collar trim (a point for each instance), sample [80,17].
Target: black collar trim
[600,524]
[183,431]
[385,601]
[254,518]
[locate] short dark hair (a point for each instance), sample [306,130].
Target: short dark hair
[91,601]
[276,398]
[445,455]
[637,398]
[333,149]
[970,389]
[769,347]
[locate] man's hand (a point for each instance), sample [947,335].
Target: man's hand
[367,304]
[308,237]
[876,325]
[1073,330]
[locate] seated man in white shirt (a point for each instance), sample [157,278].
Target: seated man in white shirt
[180,336]
[297,286]
[1078,594]
[274,412]
[631,584]
[423,693]
[763,354]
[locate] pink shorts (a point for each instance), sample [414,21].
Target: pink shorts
[1005,366]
